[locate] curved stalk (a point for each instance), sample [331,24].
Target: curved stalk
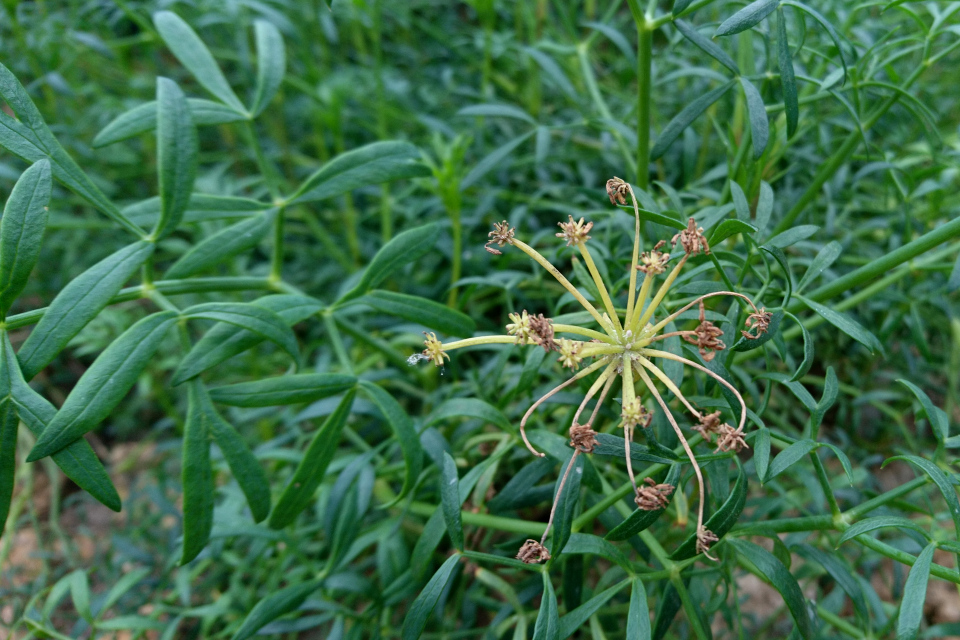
[673,316]
[556,499]
[603,395]
[601,381]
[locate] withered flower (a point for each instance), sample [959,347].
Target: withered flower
[541,330]
[653,496]
[574,232]
[617,189]
[502,234]
[532,552]
[709,425]
[583,438]
[730,439]
[757,324]
[705,540]
[691,239]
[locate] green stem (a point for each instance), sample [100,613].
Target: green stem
[644,68]
[276,258]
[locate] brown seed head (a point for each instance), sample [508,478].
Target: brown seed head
[757,324]
[583,438]
[434,350]
[730,439]
[709,425]
[541,330]
[653,496]
[574,232]
[617,189]
[691,239]
[502,234]
[705,540]
[520,328]
[532,552]
[707,339]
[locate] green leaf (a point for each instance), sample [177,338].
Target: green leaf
[611,445]
[243,464]
[77,304]
[842,457]
[568,624]
[759,126]
[567,499]
[828,27]
[722,520]
[683,119]
[80,593]
[495,159]
[196,478]
[469,408]
[772,570]
[840,574]
[403,430]
[665,219]
[21,231]
[739,201]
[309,473]
[831,388]
[788,82]
[761,453]
[103,385]
[940,479]
[9,423]
[792,236]
[143,119]
[424,604]
[846,324]
[585,543]
[790,456]
[729,228]
[405,247]
[282,390]
[225,340]
[423,311]
[826,257]
[497,110]
[450,500]
[638,616]
[250,317]
[915,594]
[275,605]
[29,138]
[680,5]
[707,45]
[880,522]
[177,150]
[938,419]
[374,163]
[639,519]
[222,245]
[764,206]
[781,258]
[126,582]
[271,64]
[202,207]
[808,350]
[666,611]
[547,626]
[747,17]
[748,344]
[186,45]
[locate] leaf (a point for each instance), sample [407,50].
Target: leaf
[611,445]
[940,479]
[77,304]
[842,457]
[788,82]
[497,110]
[840,574]
[225,340]
[759,126]
[747,17]
[792,236]
[740,201]
[422,311]
[103,385]
[761,453]
[585,543]
[203,207]
[275,605]
[424,604]
[251,317]
[552,71]
[374,163]
[828,27]
[271,64]
[790,456]
[679,6]
[764,206]
[781,258]
[639,519]
[186,45]
[21,231]
[707,45]
[177,150]
[294,388]
[831,388]
[880,522]
[638,616]
[469,408]
[450,500]
[826,257]
[808,350]
[309,473]
[729,228]
[566,498]
[683,119]
[126,582]
[197,479]
[568,624]
[403,430]
[495,159]
[721,521]
[666,611]
[547,626]
[773,571]
[222,245]
[846,324]
[658,218]
[405,247]
[243,464]
[80,593]
[748,344]
[935,415]
[143,119]
[31,139]
[9,423]
[915,594]
[77,461]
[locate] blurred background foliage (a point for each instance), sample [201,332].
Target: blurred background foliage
[521,109]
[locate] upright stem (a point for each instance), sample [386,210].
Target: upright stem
[644,67]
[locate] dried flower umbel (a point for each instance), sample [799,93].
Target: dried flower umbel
[625,348]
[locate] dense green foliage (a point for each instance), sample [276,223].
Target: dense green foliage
[231,224]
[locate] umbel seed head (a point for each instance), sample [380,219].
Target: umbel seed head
[532,552]
[502,234]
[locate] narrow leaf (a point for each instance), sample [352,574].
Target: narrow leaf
[729,228]
[21,231]
[747,17]
[9,422]
[880,522]
[416,619]
[566,498]
[790,456]
[223,245]
[450,500]
[840,574]
[77,304]
[403,430]
[585,543]
[405,247]
[937,417]
[176,155]
[430,314]
[828,27]
[497,110]
[826,257]
[721,521]
[547,626]
[275,605]
[469,408]
[102,386]
[846,324]
[787,80]
[196,478]
[250,317]
[495,159]
[143,119]
[638,616]
[940,479]
[808,350]
[759,126]
[707,45]
[683,119]
[289,389]
[568,624]
[761,453]
[271,64]
[915,594]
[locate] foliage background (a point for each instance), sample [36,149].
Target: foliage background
[521,110]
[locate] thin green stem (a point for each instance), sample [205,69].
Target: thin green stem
[644,84]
